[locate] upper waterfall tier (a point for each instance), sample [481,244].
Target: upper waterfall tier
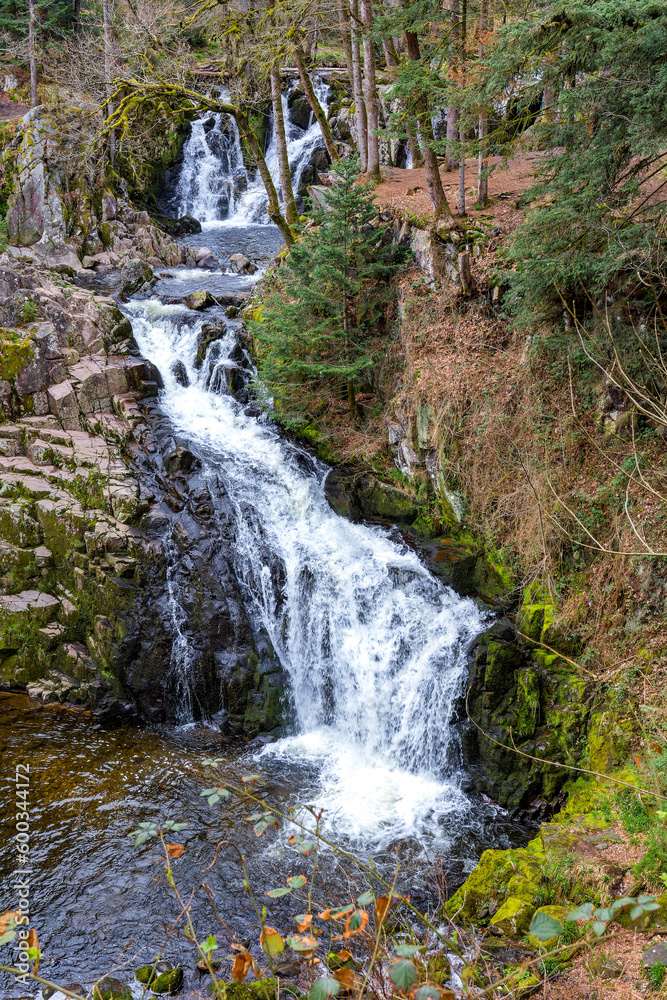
[214,183]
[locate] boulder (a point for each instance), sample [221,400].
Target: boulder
[168,982]
[111,989]
[179,372]
[208,262]
[201,299]
[241,264]
[201,253]
[134,275]
[185,225]
[298,109]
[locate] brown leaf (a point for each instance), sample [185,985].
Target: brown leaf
[637,759]
[303,921]
[325,914]
[359,917]
[382,908]
[344,955]
[345,977]
[242,963]
[203,967]
[6,917]
[174,850]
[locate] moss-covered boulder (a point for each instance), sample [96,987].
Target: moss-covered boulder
[168,982]
[500,876]
[513,918]
[608,741]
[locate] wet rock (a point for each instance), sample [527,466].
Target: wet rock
[241,264]
[180,460]
[179,372]
[168,982]
[199,300]
[134,275]
[201,253]
[298,109]
[49,991]
[182,226]
[657,955]
[209,262]
[231,312]
[111,989]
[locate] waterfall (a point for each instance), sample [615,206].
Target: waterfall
[214,183]
[374,645]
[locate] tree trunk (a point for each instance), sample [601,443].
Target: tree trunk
[281,147]
[108,72]
[433,181]
[345,37]
[390,54]
[76,15]
[370,93]
[273,209]
[482,164]
[32,54]
[318,111]
[452,109]
[359,104]
[462,135]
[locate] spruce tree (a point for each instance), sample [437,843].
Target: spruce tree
[333,288]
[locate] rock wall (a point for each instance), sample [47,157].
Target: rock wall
[116,589]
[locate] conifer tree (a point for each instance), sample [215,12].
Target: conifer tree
[335,283]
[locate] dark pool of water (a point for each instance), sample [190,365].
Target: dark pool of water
[98,903]
[258,243]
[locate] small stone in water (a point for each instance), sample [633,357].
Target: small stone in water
[201,253]
[168,982]
[179,372]
[111,989]
[209,261]
[49,992]
[199,300]
[231,312]
[241,264]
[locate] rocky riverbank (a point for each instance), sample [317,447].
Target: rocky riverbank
[94,491]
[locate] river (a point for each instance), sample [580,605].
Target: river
[374,646]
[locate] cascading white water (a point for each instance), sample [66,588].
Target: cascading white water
[373,644]
[214,185]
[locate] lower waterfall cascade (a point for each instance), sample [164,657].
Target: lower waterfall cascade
[375,647]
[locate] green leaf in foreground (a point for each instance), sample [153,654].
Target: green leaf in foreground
[545,927]
[277,893]
[323,988]
[427,992]
[406,950]
[403,975]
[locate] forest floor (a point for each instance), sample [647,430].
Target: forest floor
[406,189]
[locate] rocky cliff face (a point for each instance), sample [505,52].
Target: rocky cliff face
[116,590]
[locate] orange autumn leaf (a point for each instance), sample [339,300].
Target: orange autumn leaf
[303,922]
[355,923]
[344,955]
[637,759]
[242,963]
[345,977]
[382,908]
[174,850]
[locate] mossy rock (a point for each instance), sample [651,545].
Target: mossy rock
[608,741]
[499,875]
[111,989]
[260,989]
[522,984]
[168,982]
[513,918]
[502,660]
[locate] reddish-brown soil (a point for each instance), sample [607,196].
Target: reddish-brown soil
[406,189]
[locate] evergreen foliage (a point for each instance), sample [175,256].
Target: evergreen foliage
[335,287]
[601,66]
